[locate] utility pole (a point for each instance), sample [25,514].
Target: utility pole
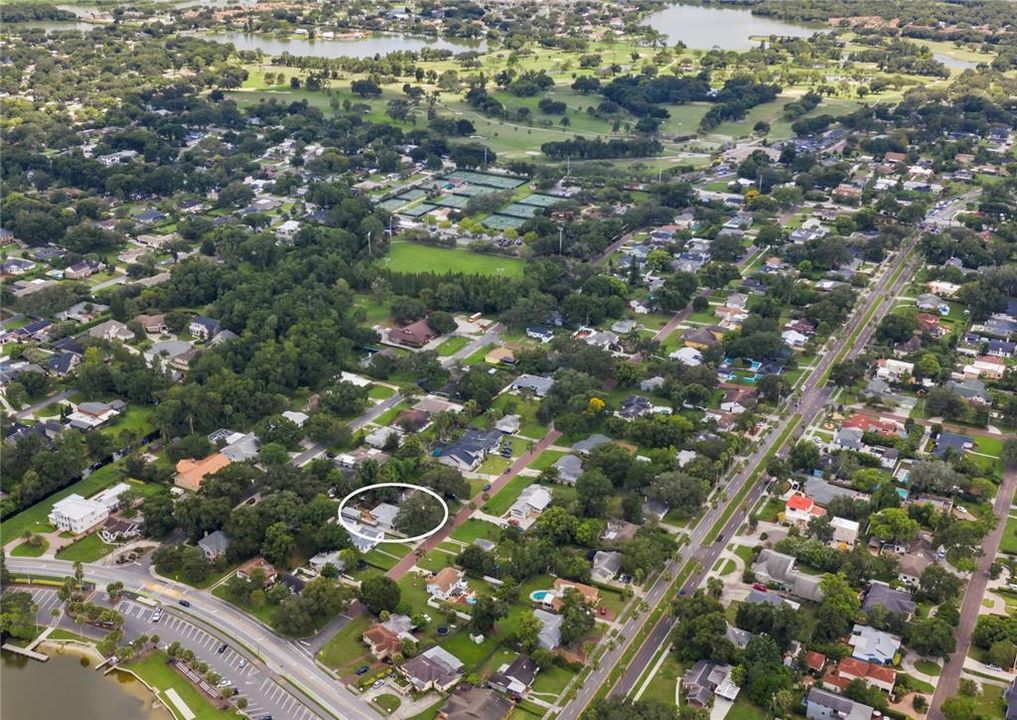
[370,250]
[561,238]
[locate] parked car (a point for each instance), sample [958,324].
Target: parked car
[363,669]
[222,648]
[760,586]
[378,683]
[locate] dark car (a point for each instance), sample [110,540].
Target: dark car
[222,648]
[363,669]
[185,603]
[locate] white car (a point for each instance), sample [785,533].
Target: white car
[378,683]
[224,683]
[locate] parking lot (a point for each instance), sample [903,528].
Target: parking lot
[265,696]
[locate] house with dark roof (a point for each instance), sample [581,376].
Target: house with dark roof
[204,328]
[62,364]
[536,384]
[433,669]
[704,680]
[585,447]
[779,569]
[515,678]
[960,444]
[472,703]
[469,451]
[890,599]
[634,406]
[569,469]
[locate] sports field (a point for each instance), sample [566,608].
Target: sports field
[411,257]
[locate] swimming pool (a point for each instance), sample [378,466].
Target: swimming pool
[541,595]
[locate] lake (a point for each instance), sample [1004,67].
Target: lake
[956,63]
[63,688]
[363,47]
[702,28]
[51,26]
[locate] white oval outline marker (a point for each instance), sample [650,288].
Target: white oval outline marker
[376,486]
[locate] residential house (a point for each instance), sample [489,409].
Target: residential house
[320,560]
[191,473]
[801,509]
[928,302]
[83,312]
[152,324]
[214,545]
[382,515]
[469,451]
[542,334]
[823,705]
[911,566]
[704,680]
[82,269]
[606,566]
[590,595]
[815,662]
[16,266]
[845,532]
[699,338]
[509,424]
[873,645]
[90,415]
[204,328]
[386,638]
[117,530]
[779,569]
[536,384]
[245,571]
[634,406]
[472,703]
[894,371]
[549,636]
[500,356]
[62,364]
[890,599]
[532,501]
[973,390]
[959,444]
[515,678]
[433,669]
[569,469]
[241,447]
[447,584]
[111,330]
[687,356]
[849,669]
[77,514]
[585,447]
[379,437]
[415,335]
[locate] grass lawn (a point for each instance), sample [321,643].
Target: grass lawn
[344,652]
[1008,544]
[88,549]
[527,410]
[430,713]
[478,356]
[661,687]
[389,415]
[388,702]
[928,667]
[154,670]
[743,709]
[263,612]
[769,511]
[137,419]
[988,445]
[552,679]
[414,594]
[503,499]
[472,654]
[729,567]
[385,557]
[415,258]
[380,392]
[473,529]
[453,345]
[546,459]
[26,550]
[436,560]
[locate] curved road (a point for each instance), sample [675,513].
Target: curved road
[312,685]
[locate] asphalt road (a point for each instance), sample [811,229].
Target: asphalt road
[949,679]
[813,397]
[290,665]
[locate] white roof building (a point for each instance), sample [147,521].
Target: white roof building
[77,514]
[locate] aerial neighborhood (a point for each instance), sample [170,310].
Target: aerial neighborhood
[514,361]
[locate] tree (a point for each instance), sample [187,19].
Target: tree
[485,613]
[17,615]
[838,609]
[380,593]
[113,590]
[418,514]
[577,618]
[701,629]
[366,88]
[278,545]
[528,632]
[804,456]
[938,585]
[684,493]
[893,524]
[930,636]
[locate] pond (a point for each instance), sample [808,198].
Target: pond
[27,691]
[358,47]
[703,28]
[51,26]
[955,63]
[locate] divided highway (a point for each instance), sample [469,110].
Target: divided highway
[813,396]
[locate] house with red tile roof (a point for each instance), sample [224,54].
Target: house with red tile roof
[799,509]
